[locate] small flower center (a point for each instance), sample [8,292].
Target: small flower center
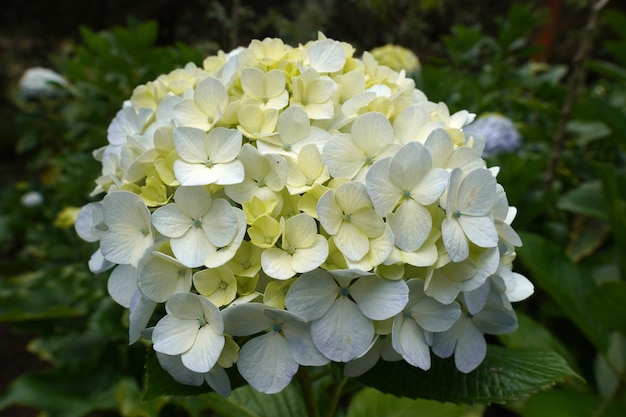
[261,182]
[344,292]
[247,264]
[456,214]
[209,163]
[347,217]
[369,160]
[197,222]
[408,314]
[406,194]
[223,285]
[287,146]
[276,327]
[143,231]
[291,250]
[202,321]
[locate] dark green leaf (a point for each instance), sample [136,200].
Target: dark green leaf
[568,284]
[247,402]
[504,375]
[607,305]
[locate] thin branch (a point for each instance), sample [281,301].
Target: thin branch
[310,403]
[575,85]
[334,401]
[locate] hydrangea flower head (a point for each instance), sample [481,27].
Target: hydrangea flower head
[499,133]
[293,206]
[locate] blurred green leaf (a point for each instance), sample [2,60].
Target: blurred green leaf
[372,403]
[568,284]
[606,304]
[557,403]
[247,402]
[65,391]
[505,374]
[587,199]
[614,189]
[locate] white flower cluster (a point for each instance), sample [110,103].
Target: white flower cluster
[307,205]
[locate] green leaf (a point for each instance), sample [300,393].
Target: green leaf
[606,304]
[373,403]
[504,375]
[614,188]
[247,402]
[557,403]
[531,334]
[568,284]
[586,199]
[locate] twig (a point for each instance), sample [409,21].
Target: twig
[334,401]
[310,403]
[575,85]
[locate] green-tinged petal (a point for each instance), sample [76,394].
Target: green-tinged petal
[190,144]
[379,298]
[454,240]
[203,355]
[266,364]
[218,285]
[352,196]
[343,333]
[312,294]
[440,145]
[122,284]
[219,256]
[411,225]
[252,82]
[125,246]
[277,263]
[174,336]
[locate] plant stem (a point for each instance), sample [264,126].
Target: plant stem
[334,401]
[575,85]
[305,382]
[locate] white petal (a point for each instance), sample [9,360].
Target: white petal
[477,193]
[454,240]
[343,333]
[220,223]
[266,364]
[161,277]
[312,294]
[326,55]
[379,298]
[373,132]
[122,284]
[141,310]
[301,345]
[343,157]
[409,165]
[174,366]
[190,144]
[351,241]
[523,289]
[223,144]
[246,319]
[431,186]
[411,224]
[434,316]
[471,349]
[193,248]
[170,221]
[89,222]
[277,263]
[382,191]
[218,380]
[206,350]
[174,336]
[480,230]
[307,259]
[408,339]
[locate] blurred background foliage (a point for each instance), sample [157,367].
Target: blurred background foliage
[63,342]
